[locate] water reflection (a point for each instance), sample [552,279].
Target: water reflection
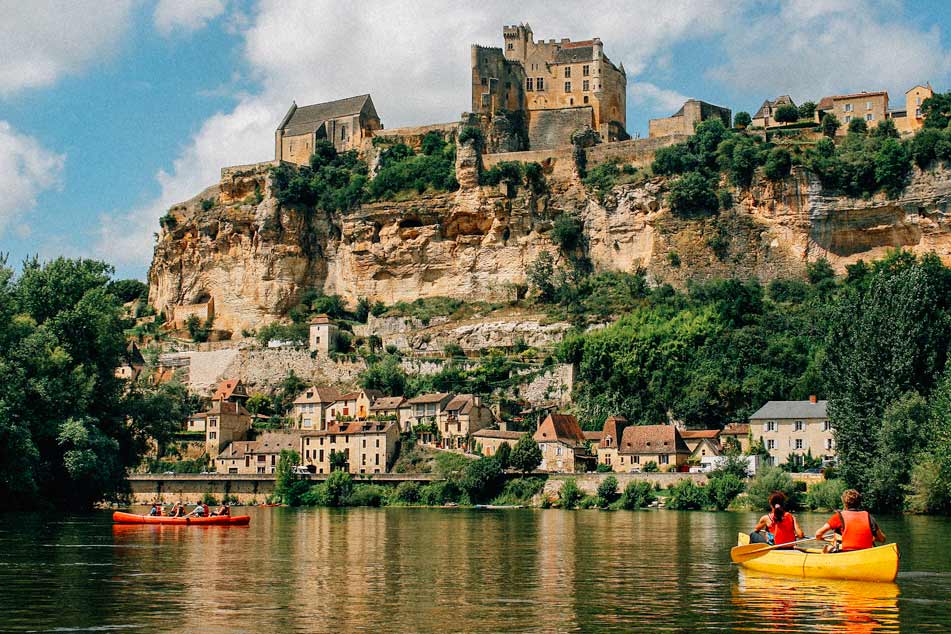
[815,605]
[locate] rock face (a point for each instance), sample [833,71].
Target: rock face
[235,243]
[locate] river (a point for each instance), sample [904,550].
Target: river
[445,570]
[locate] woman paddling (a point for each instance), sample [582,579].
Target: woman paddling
[781,526]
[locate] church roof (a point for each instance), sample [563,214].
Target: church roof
[304,119]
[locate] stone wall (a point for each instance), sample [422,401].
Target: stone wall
[588,482]
[549,129]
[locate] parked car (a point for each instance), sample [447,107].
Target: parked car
[302,470]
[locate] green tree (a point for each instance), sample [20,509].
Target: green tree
[285,480]
[541,274]
[651,467]
[858,126]
[686,496]
[504,454]
[692,195]
[937,111]
[386,375]
[723,489]
[807,110]
[787,113]
[607,491]
[128,290]
[482,479]
[259,404]
[570,494]
[526,455]
[363,310]
[567,232]
[637,494]
[829,125]
[338,460]
[742,120]
[892,166]
[778,164]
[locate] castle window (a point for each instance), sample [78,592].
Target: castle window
[529,84]
[567,86]
[586,98]
[567,72]
[848,118]
[585,70]
[510,46]
[540,84]
[343,132]
[586,85]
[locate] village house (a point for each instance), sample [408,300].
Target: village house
[643,444]
[424,412]
[870,106]
[556,86]
[232,391]
[910,119]
[735,436]
[763,118]
[563,445]
[196,422]
[686,119]
[794,428]
[367,446]
[322,338]
[226,422]
[462,415]
[353,406]
[256,456]
[311,409]
[344,122]
[394,408]
[488,441]
[701,443]
[609,445]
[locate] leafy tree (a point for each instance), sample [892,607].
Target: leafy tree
[829,125]
[858,126]
[570,494]
[526,455]
[607,491]
[482,479]
[924,146]
[386,375]
[787,113]
[819,272]
[686,496]
[432,143]
[504,454]
[651,467]
[128,290]
[363,310]
[892,166]
[778,164]
[807,110]
[567,232]
[674,159]
[766,482]
[541,275]
[338,460]
[937,111]
[259,404]
[285,480]
[692,195]
[885,130]
[336,490]
[742,120]
[637,494]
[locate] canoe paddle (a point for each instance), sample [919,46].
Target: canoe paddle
[739,554]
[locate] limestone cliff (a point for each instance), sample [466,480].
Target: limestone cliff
[235,243]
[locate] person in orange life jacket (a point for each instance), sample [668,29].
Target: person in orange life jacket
[858,529]
[781,526]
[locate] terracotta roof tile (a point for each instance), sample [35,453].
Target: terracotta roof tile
[652,439]
[560,427]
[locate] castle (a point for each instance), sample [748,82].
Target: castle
[552,88]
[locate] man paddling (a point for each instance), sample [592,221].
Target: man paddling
[858,528]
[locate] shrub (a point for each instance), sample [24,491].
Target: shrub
[725,198]
[766,481]
[481,479]
[207,203]
[742,120]
[783,290]
[651,467]
[418,172]
[686,496]
[924,146]
[406,493]
[692,195]
[209,499]
[432,143]
[636,495]
[439,493]
[829,125]
[675,159]
[602,179]
[503,172]
[504,455]
[607,491]
[589,502]
[535,178]
[567,232]
[892,166]
[168,221]
[723,489]
[570,494]
[526,455]
[825,496]
[334,491]
[807,110]
[474,134]
[519,491]
[929,490]
[603,468]
[368,495]
[786,113]
[778,164]
[858,126]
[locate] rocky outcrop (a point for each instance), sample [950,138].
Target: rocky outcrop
[255,257]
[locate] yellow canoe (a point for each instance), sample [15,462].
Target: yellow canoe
[872,564]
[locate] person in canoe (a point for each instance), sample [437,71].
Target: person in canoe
[780,525]
[200,510]
[223,510]
[857,528]
[155,510]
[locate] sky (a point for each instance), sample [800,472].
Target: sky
[112,112]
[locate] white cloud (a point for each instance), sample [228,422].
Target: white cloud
[26,169]
[43,40]
[810,50]
[185,15]
[414,58]
[652,96]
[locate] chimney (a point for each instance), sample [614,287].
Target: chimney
[813,399]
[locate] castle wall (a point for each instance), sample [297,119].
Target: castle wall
[497,83]
[553,128]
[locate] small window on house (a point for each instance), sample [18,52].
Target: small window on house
[529,84]
[848,118]
[917,113]
[585,85]
[797,426]
[771,425]
[567,86]
[826,425]
[585,70]
[869,116]
[665,459]
[799,443]
[567,71]
[485,82]
[848,107]
[918,101]
[770,444]
[343,132]
[868,105]
[636,460]
[540,84]
[212,435]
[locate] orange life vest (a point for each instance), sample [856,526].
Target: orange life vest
[783,531]
[857,530]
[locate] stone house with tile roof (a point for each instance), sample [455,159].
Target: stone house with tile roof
[564,446]
[257,456]
[225,422]
[701,443]
[462,415]
[488,441]
[737,435]
[368,446]
[871,106]
[763,118]
[344,122]
[311,408]
[642,444]
[353,405]
[794,428]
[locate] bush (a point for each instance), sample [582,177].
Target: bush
[930,488]
[419,173]
[526,455]
[742,120]
[440,493]
[482,478]
[782,290]
[603,468]
[474,134]
[778,164]
[692,195]
[807,110]
[829,125]
[368,495]
[636,495]
[675,159]
[765,483]
[723,489]
[503,172]
[786,113]
[453,350]
[858,126]
[406,493]
[209,499]
[570,494]
[567,232]
[725,198]
[686,496]
[504,455]
[334,491]
[519,491]
[892,167]
[607,491]
[924,146]
[207,204]
[825,496]
[651,467]
[602,179]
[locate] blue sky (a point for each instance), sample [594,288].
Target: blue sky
[112,112]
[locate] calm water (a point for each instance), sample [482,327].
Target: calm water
[421,570]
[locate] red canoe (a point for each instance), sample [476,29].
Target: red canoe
[219,520]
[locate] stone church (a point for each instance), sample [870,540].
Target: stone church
[345,122]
